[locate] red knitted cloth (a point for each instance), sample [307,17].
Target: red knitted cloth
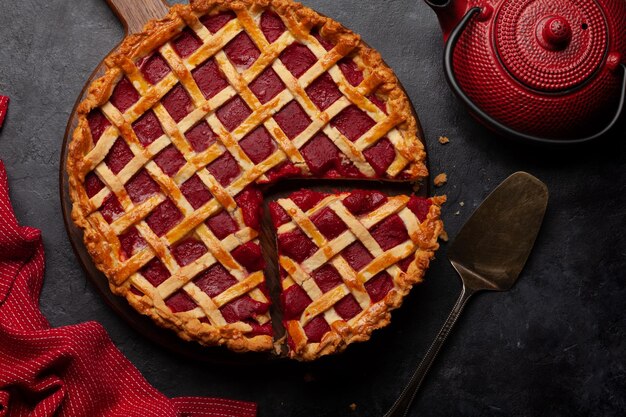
[75,370]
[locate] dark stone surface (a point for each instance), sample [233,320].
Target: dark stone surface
[555,345]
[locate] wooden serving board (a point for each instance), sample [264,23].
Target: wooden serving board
[134,14]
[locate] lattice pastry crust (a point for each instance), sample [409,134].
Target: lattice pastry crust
[191,115]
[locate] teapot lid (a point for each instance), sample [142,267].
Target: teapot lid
[551,45]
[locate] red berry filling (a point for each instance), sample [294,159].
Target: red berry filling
[279,216]
[357,255]
[201,136]
[378,102]
[119,155]
[124,95]
[111,209]
[316,329]
[390,232]
[347,307]
[258,144]
[326,44]
[148,128]
[271,26]
[141,186]
[296,245]
[153,68]
[233,113]
[327,277]
[379,286]
[267,85]
[249,256]
[98,123]
[217,21]
[323,92]
[170,160]
[131,242]
[294,300]
[351,71]
[242,51]
[324,158]
[243,308]
[186,43]
[165,216]
[284,170]
[225,169]
[328,223]
[306,199]
[177,103]
[188,250]
[353,122]
[250,202]
[180,302]
[215,280]
[209,78]
[361,201]
[155,272]
[292,119]
[420,207]
[297,58]
[93,184]
[380,156]
[195,192]
[222,225]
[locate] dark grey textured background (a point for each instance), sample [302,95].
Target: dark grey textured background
[555,345]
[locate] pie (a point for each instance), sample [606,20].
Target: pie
[192,120]
[346,260]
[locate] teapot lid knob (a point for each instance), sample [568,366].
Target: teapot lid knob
[554,33]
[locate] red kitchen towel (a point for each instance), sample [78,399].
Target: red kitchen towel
[74,370]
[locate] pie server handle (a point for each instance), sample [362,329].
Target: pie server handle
[135,14]
[402,405]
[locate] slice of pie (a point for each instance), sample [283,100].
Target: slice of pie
[191,117]
[346,260]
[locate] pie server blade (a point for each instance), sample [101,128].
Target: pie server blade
[489,253]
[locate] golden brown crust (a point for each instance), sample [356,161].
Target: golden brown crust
[103,246]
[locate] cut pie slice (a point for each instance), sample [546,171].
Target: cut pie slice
[346,260]
[190,118]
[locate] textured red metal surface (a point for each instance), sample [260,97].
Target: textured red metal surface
[535,84]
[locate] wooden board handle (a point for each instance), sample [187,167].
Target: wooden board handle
[134,14]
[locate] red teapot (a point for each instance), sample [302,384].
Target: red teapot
[542,70]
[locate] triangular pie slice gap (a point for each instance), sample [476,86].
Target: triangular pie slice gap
[192,117]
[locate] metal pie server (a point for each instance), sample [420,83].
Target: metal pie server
[489,254]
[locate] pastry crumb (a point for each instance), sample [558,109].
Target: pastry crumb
[440,179]
[462,203]
[443,140]
[444,236]
[457,213]
[352,407]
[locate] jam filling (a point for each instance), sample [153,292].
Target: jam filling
[111,209]
[164,217]
[258,144]
[296,245]
[390,232]
[326,44]
[294,300]
[141,187]
[242,308]
[306,199]
[119,155]
[177,103]
[378,102]
[380,156]
[328,223]
[201,136]
[209,78]
[233,113]
[225,169]
[361,202]
[250,201]
[98,123]
[242,51]
[148,128]
[170,160]
[316,329]
[267,85]
[188,250]
[153,68]
[222,225]
[186,43]
[420,207]
[353,122]
[195,192]
[357,255]
[124,95]
[378,286]
[217,21]
[351,71]
[180,302]
[215,280]
[292,119]
[279,216]
[249,256]
[323,92]
[155,272]
[271,25]
[93,184]
[347,307]
[297,58]
[324,159]
[284,170]
[131,242]
[326,277]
